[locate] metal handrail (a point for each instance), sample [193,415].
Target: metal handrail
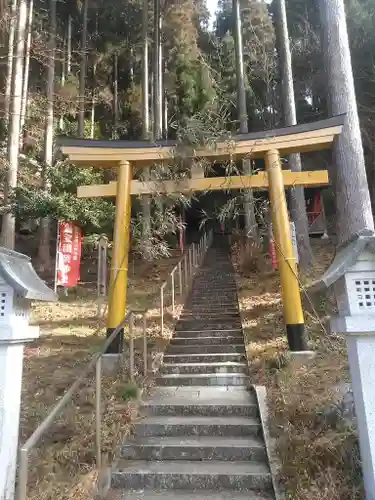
[195,255]
[48,421]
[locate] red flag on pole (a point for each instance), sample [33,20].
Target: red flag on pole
[69,254]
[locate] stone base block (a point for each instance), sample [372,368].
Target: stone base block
[300,358]
[111,363]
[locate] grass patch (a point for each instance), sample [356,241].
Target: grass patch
[130,391]
[317,447]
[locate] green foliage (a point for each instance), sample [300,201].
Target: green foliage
[61,202]
[129,391]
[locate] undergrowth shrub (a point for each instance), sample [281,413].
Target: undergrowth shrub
[317,446]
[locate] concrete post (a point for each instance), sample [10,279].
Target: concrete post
[11,360]
[361,354]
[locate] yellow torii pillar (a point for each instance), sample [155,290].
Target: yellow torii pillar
[120,255]
[292,304]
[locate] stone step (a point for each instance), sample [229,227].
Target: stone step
[212,306]
[196,426]
[198,324]
[204,357]
[205,283]
[208,340]
[202,349]
[206,379]
[170,407]
[231,395]
[181,475]
[195,448]
[206,309]
[236,332]
[205,280]
[192,368]
[211,302]
[228,296]
[206,299]
[212,274]
[207,314]
[190,495]
[217,288]
[213,294]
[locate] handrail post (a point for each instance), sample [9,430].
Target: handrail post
[98,416]
[131,346]
[162,310]
[180,278]
[172,280]
[186,272]
[22,474]
[145,353]
[190,265]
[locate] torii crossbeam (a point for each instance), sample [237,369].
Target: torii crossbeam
[268,145]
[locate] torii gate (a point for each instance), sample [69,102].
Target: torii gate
[268,145]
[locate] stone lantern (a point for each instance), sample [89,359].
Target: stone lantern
[19,285]
[352,277]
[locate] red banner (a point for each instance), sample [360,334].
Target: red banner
[68,254]
[315,208]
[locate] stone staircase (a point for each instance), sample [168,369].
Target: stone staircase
[199,436]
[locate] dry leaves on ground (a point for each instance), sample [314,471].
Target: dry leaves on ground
[317,448]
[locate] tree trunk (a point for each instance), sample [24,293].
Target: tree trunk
[44,254]
[69,47]
[115,95]
[165,115]
[12,34]
[93,101]
[157,129]
[82,74]
[131,65]
[249,207]
[145,89]
[152,105]
[160,87]
[63,79]
[27,67]
[93,92]
[165,103]
[348,173]
[146,201]
[297,194]
[158,78]
[9,222]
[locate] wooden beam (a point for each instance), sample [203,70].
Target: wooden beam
[258,181]
[288,144]
[299,138]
